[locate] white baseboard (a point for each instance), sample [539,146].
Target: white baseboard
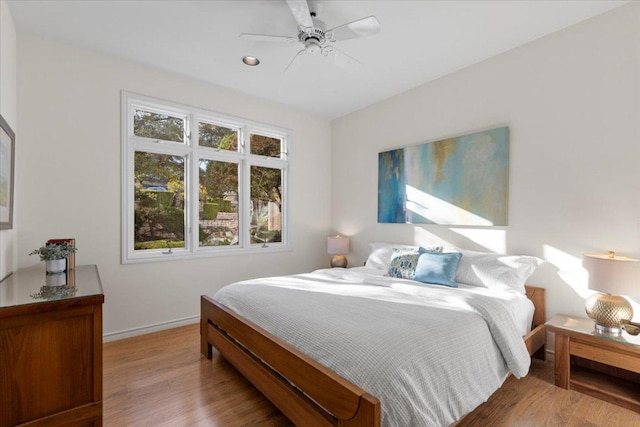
[133,332]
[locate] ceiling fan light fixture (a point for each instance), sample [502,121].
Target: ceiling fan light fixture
[251,61]
[316,38]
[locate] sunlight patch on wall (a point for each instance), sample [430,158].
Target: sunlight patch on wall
[489,240]
[492,240]
[438,211]
[570,269]
[426,238]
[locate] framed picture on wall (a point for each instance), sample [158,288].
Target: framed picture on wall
[7,165]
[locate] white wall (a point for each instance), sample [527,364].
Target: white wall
[571,102]
[69,179]
[570,99]
[8,246]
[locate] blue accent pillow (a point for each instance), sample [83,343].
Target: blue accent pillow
[404,261]
[438,268]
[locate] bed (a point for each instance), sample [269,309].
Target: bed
[298,340]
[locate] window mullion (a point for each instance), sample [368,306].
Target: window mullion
[244,189]
[268,162]
[245,212]
[222,156]
[129,195]
[194,186]
[244,137]
[195,214]
[159,148]
[188,160]
[284,233]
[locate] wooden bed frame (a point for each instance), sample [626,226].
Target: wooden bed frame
[307,392]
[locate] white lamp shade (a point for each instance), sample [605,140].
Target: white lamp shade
[613,274]
[337,245]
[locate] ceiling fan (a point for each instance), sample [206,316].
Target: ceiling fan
[317,40]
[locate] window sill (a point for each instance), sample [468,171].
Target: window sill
[158,256]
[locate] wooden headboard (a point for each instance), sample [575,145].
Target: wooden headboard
[537,297]
[537,338]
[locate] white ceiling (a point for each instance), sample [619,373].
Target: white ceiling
[419,41]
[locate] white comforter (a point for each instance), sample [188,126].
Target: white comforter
[431,354]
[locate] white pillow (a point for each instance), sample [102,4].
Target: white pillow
[381,253]
[495,271]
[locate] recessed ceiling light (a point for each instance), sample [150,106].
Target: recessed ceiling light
[251,61]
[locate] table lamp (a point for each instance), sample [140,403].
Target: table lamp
[612,274]
[338,246]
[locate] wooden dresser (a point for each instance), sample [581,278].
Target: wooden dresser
[51,349]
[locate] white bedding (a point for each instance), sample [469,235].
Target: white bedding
[430,353]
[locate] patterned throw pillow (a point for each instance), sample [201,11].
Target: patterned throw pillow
[404,261]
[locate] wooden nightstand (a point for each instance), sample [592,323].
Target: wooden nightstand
[603,366]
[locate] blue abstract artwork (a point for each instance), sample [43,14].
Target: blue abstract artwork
[455,181]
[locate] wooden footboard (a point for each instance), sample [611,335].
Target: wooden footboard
[307,392]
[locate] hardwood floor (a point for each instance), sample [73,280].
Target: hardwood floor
[161,379]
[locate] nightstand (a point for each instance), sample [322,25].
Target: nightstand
[603,366]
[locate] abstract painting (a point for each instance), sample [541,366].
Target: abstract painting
[455,181]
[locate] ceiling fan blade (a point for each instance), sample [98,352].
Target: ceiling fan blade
[342,60]
[295,63]
[361,28]
[268,38]
[300,11]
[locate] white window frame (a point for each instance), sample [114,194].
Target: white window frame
[192,153]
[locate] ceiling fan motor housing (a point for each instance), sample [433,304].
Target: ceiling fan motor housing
[316,33]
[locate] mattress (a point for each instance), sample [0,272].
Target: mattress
[429,353]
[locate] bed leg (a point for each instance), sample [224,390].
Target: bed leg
[205,346]
[368,414]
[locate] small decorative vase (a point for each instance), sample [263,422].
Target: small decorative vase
[56,265]
[56,279]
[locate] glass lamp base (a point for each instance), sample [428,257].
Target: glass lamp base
[608,330]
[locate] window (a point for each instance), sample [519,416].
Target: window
[220,137]
[266,146]
[158,201]
[218,196]
[158,126]
[198,183]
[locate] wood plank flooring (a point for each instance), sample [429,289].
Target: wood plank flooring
[161,379]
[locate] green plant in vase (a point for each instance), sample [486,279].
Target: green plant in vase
[55,256]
